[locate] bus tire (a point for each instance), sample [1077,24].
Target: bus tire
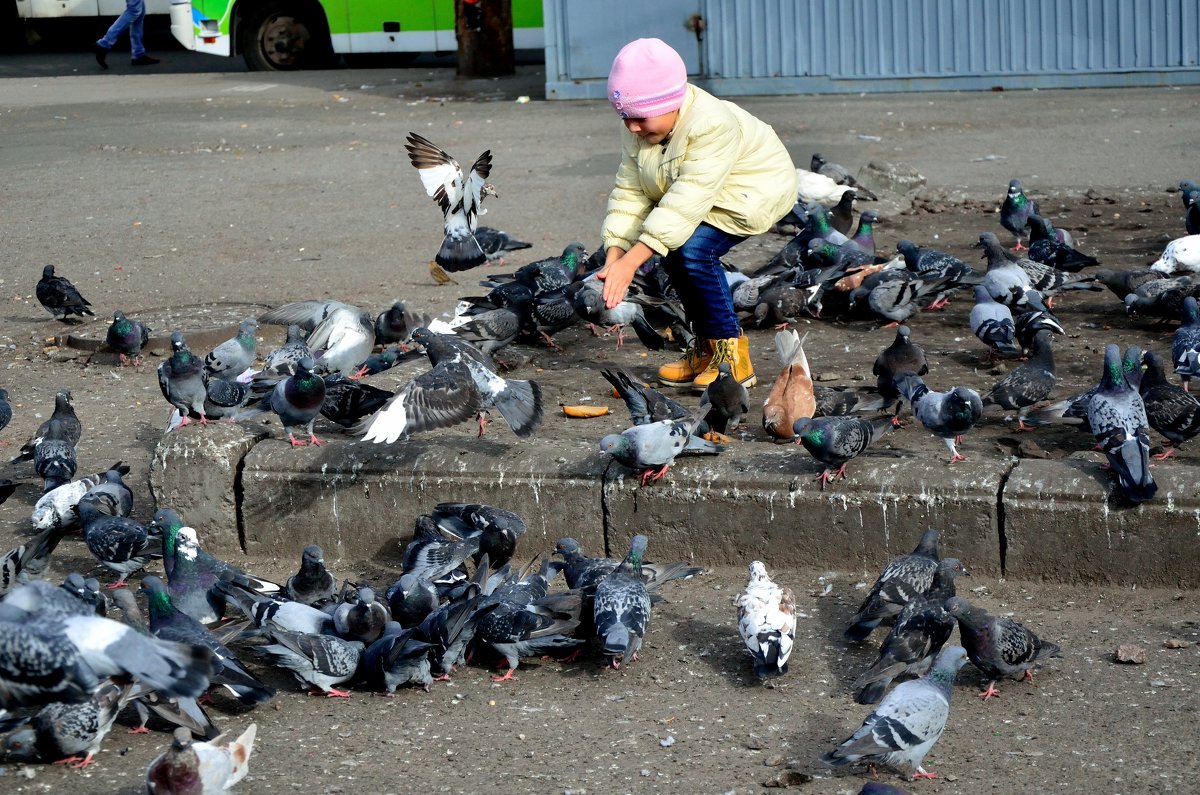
[284,35]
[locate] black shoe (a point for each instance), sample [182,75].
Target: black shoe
[144,60]
[101,55]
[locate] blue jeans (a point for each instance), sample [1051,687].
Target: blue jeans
[135,14]
[696,273]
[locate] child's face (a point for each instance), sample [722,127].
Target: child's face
[655,129]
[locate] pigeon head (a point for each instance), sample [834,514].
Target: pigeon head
[868,217]
[74,584]
[63,400]
[954,565]
[306,365]
[158,598]
[1191,310]
[949,662]
[1114,368]
[20,746]
[422,336]
[118,316]
[247,327]
[758,572]
[1014,187]
[177,341]
[313,555]
[805,428]
[817,161]
[902,335]
[616,445]
[567,546]
[166,520]
[187,545]
[724,370]
[48,271]
[958,607]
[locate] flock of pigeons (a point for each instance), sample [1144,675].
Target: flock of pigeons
[68,671]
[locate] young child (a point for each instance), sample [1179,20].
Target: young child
[698,175]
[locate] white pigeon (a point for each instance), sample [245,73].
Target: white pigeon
[205,768]
[814,187]
[767,622]
[907,723]
[1182,255]
[341,335]
[459,196]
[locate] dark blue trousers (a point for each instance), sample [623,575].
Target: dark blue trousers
[696,273]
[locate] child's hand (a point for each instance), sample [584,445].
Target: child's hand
[617,276]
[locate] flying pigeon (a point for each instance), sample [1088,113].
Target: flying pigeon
[127,337]
[652,448]
[998,646]
[1170,410]
[1185,345]
[340,337]
[1015,211]
[313,584]
[1117,417]
[903,579]
[921,629]
[59,297]
[203,768]
[622,608]
[233,356]
[1182,255]
[947,415]
[907,723]
[497,529]
[1028,383]
[767,622]
[459,196]
[792,397]
[835,441]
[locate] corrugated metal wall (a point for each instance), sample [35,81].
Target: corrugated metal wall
[791,46]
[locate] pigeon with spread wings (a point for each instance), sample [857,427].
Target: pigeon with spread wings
[459,196]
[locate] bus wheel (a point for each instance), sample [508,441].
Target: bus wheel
[283,36]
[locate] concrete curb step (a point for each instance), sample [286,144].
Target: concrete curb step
[1025,518]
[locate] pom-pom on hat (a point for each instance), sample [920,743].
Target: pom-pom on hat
[647,79]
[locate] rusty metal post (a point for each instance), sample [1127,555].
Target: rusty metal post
[485,37]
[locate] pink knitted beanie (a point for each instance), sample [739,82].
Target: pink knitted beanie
[647,79]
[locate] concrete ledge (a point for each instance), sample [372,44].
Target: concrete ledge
[196,471]
[1063,524]
[359,500]
[766,504]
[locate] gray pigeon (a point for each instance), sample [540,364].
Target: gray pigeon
[652,448]
[313,583]
[396,658]
[992,322]
[296,400]
[835,441]
[525,619]
[282,361]
[491,330]
[5,409]
[234,356]
[69,425]
[921,629]
[622,608]
[1185,345]
[181,379]
[121,544]
[391,325]
[361,617]
[903,579]
[1170,410]
[907,723]
[68,734]
[729,400]
[320,661]
[1035,317]
[1008,277]
[110,494]
[1117,417]
[947,415]
[902,357]
[998,646]
[30,560]
[54,456]
[341,335]
[1030,382]
[56,508]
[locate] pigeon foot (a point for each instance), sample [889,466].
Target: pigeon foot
[511,674]
[991,692]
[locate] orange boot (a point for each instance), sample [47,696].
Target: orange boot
[736,351]
[683,372]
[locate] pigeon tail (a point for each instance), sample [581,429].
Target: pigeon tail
[1130,463]
[520,403]
[460,253]
[861,630]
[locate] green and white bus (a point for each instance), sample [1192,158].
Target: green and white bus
[295,34]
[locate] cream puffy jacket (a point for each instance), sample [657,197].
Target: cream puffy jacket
[720,165]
